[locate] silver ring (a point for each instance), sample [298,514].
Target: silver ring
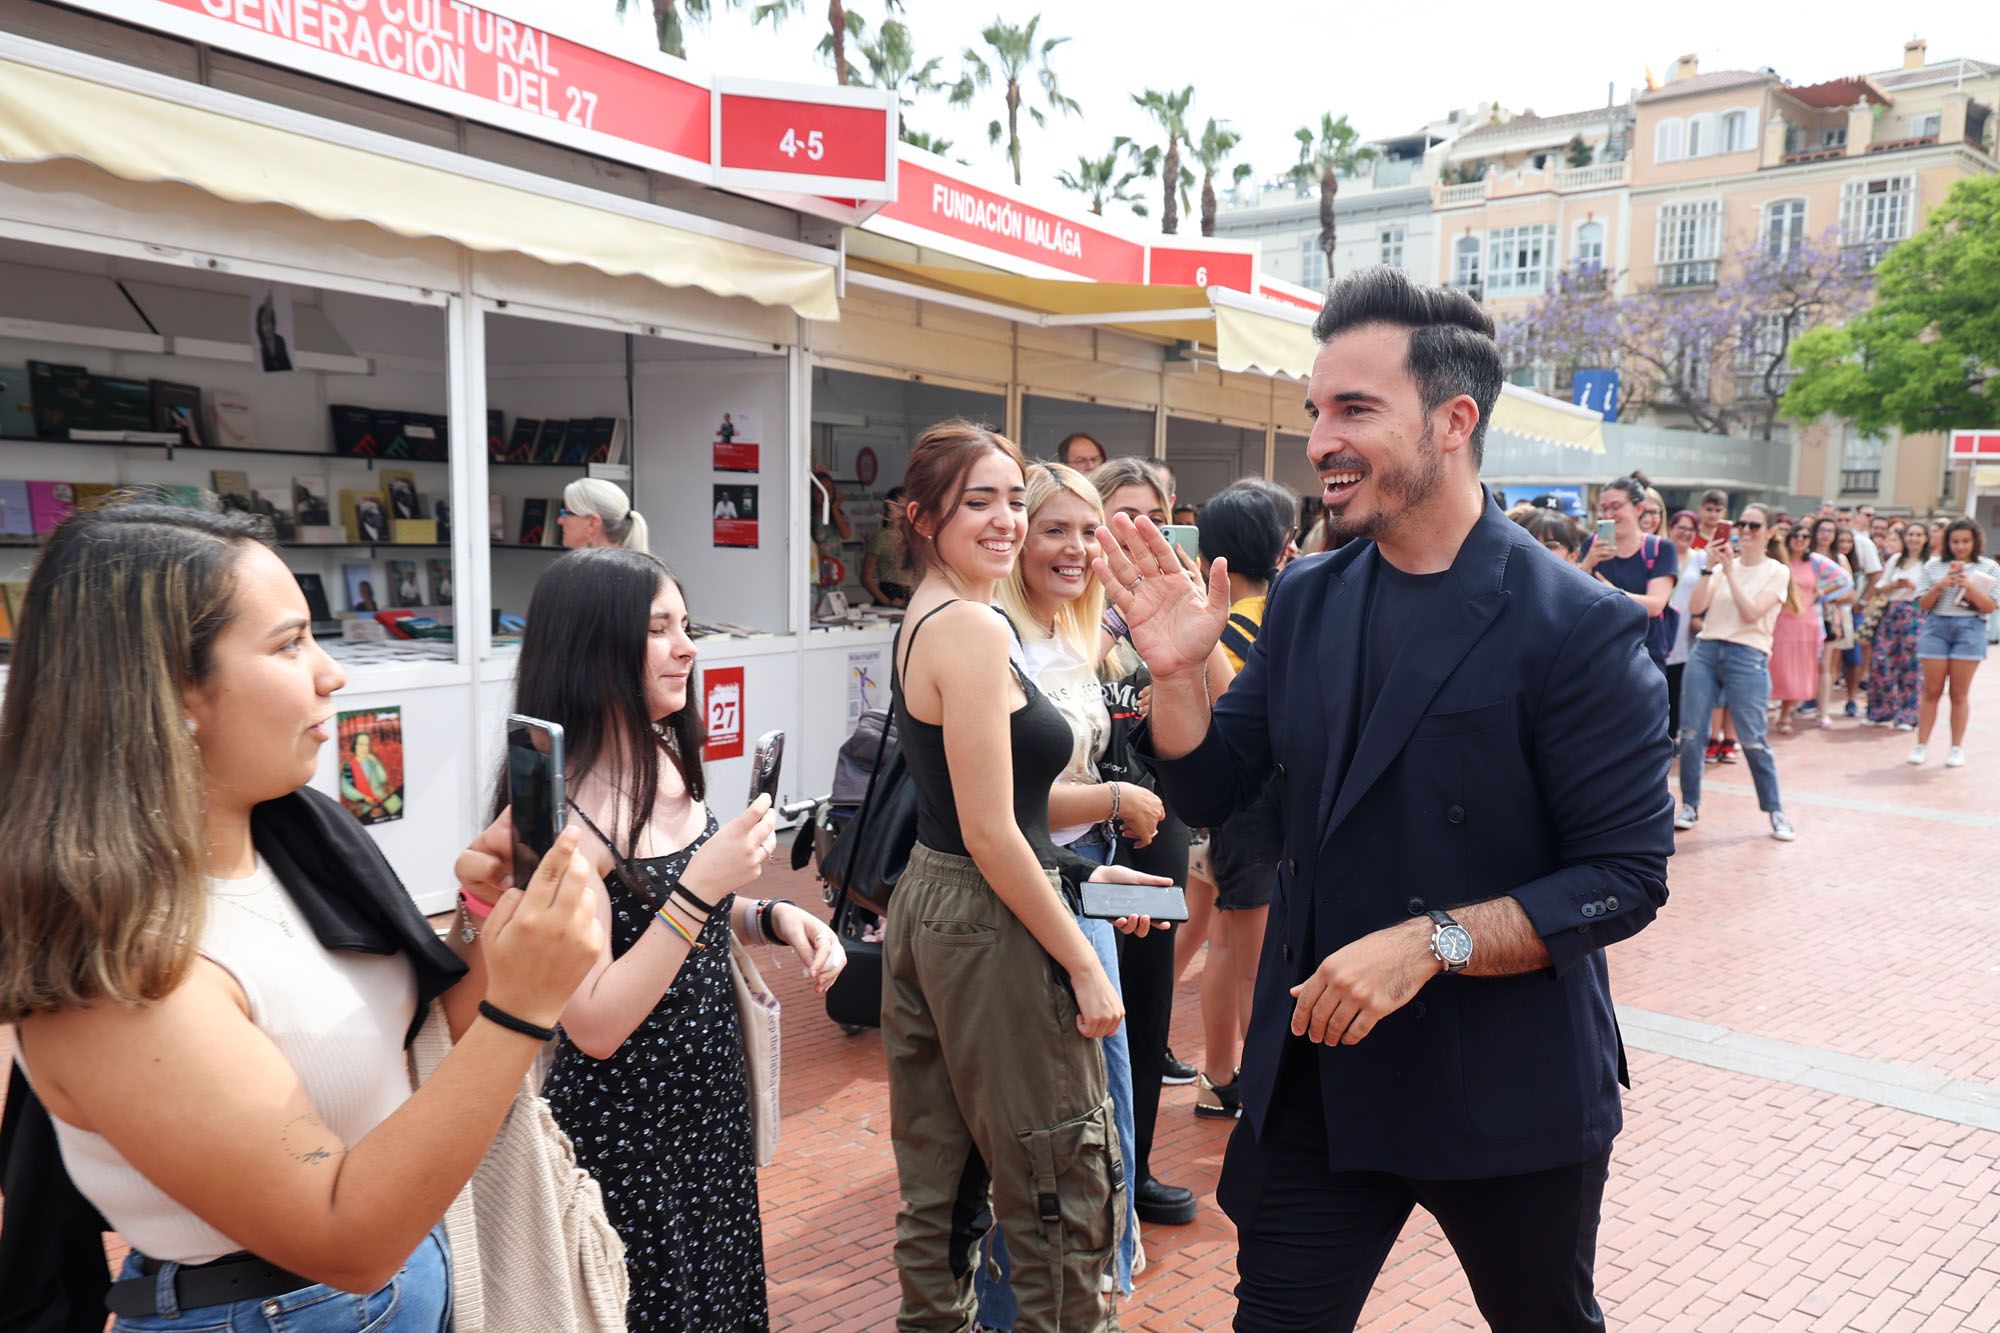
[1133,586]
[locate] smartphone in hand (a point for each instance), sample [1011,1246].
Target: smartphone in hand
[1187,537]
[535,790]
[766,762]
[1605,530]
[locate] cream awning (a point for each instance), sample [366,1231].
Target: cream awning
[46,115]
[1247,332]
[1522,411]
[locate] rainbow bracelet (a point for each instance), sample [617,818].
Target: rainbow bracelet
[678,929]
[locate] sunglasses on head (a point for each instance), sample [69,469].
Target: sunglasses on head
[1751,527]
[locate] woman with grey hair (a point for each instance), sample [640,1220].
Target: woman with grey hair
[597,513]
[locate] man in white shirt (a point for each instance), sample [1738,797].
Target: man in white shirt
[1865,553]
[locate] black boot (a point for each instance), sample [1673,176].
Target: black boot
[1163,1205]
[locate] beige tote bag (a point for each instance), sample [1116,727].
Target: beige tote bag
[531,1247]
[757,1013]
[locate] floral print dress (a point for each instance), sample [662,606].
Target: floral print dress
[664,1126]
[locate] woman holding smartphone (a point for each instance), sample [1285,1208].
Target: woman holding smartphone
[1958,589]
[212,971]
[1895,678]
[649,1079]
[1738,603]
[993,1001]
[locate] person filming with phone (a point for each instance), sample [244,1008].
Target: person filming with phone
[1467,741]
[649,1078]
[212,971]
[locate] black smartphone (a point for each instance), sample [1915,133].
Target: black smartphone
[1108,902]
[765,763]
[534,790]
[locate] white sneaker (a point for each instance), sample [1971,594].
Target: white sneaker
[1905,726]
[1955,757]
[1687,818]
[1781,827]
[1918,754]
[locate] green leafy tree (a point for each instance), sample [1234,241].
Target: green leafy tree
[1324,157]
[930,143]
[889,61]
[1014,58]
[669,21]
[1926,355]
[1099,179]
[840,24]
[1577,153]
[1212,150]
[1169,111]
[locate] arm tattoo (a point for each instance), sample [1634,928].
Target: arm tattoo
[307,1140]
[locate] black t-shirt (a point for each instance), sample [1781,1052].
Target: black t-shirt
[1631,573]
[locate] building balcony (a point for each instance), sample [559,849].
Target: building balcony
[1829,153]
[1860,481]
[1593,177]
[1688,273]
[1452,196]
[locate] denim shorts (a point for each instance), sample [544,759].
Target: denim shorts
[416,1300]
[1952,638]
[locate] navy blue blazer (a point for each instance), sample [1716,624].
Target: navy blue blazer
[1519,746]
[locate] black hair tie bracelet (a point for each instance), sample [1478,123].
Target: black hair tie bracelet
[492,1012]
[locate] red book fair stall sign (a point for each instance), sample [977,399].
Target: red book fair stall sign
[1234,269]
[481,62]
[722,713]
[933,206]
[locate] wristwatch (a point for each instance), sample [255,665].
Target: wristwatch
[1451,943]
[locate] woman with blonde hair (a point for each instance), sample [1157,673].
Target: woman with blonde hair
[596,512]
[213,973]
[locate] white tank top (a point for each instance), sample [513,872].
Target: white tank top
[338,1018]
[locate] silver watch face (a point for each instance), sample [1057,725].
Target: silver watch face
[1453,945]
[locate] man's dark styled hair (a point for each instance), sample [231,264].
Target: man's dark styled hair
[1451,338]
[1715,497]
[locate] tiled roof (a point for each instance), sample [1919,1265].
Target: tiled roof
[1708,83]
[1836,93]
[1528,124]
[1937,69]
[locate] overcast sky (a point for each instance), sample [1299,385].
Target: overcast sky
[1269,66]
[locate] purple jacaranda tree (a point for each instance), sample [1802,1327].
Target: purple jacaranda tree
[1719,355]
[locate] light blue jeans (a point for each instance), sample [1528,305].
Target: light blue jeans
[416,1300]
[997,1307]
[1737,677]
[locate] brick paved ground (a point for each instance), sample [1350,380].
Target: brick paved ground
[1739,1198]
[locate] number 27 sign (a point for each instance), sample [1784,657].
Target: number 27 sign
[722,713]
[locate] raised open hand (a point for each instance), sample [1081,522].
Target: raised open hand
[1175,622]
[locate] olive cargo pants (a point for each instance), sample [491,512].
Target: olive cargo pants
[986,1067]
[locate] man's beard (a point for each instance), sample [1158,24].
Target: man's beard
[1400,490]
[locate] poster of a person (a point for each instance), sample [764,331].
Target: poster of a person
[273,330]
[371,764]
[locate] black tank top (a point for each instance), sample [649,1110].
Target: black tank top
[1041,743]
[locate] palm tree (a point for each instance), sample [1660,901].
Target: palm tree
[1015,55]
[667,26]
[1324,157]
[1147,164]
[840,26]
[891,61]
[1217,142]
[1169,111]
[1098,178]
[930,143]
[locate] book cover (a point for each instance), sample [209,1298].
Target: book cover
[235,425]
[275,504]
[359,580]
[371,764]
[552,533]
[93,494]
[521,444]
[123,404]
[440,572]
[578,441]
[439,509]
[15,518]
[55,396]
[549,444]
[496,433]
[177,407]
[534,522]
[17,404]
[314,587]
[401,488]
[390,430]
[615,448]
[365,515]
[49,503]
[354,431]
[496,517]
[598,446]
[232,488]
[309,503]
[404,590]
[413,531]
[429,435]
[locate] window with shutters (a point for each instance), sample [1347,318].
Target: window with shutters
[1688,248]
[1517,260]
[1784,227]
[1877,213]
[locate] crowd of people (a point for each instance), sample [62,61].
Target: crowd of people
[1346,760]
[1767,622]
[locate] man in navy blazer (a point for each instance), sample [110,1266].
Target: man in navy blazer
[1465,731]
